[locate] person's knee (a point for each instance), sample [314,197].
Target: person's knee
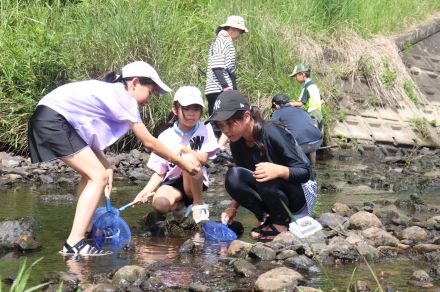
[232,180]
[100,177]
[161,205]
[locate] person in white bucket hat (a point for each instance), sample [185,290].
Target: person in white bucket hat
[76,122]
[172,188]
[221,73]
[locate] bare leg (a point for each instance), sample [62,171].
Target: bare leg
[165,199]
[94,178]
[193,185]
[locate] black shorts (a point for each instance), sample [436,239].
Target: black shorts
[50,136]
[178,184]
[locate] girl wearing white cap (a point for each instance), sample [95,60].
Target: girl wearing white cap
[172,188]
[221,72]
[77,121]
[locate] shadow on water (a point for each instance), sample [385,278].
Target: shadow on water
[55,222]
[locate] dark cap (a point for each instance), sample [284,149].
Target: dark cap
[280,99]
[227,104]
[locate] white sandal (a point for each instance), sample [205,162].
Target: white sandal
[200,213]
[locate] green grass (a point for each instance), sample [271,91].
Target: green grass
[21,281]
[44,44]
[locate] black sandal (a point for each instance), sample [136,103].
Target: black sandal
[80,245]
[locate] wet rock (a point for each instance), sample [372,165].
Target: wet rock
[278,279]
[137,174]
[9,161]
[341,209]
[414,233]
[64,182]
[285,254]
[129,275]
[388,217]
[12,232]
[239,248]
[367,251]
[102,287]
[333,221]
[360,286]
[70,281]
[363,220]
[244,268]
[286,238]
[426,247]
[340,252]
[378,237]
[328,188]
[262,252]
[27,243]
[307,289]
[390,251]
[300,262]
[67,198]
[197,287]
[421,279]
[416,199]
[433,221]
[187,247]
[45,179]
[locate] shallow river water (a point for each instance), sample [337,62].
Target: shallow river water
[55,222]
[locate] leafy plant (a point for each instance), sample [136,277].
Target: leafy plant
[409,90]
[420,126]
[20,282]
[433,123]
[388,78]
[342,115]
[373,100]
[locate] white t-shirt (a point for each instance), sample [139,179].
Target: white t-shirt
[203,140]
[100,112]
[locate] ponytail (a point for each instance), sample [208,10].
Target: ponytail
[112,77]
[257,131]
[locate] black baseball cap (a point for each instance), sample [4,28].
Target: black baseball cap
[280,99]
[227,104]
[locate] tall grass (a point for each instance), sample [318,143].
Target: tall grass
[44,44]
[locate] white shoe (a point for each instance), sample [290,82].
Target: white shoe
[200,213]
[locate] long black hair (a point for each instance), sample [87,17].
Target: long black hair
[114,77]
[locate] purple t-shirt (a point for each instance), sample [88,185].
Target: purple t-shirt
[100,112]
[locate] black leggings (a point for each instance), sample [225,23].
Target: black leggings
[265,197]
[211,101]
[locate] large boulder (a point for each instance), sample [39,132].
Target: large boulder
[278,279]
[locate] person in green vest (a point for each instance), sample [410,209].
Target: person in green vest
[309,99]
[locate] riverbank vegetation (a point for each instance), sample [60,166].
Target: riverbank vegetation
[44,44]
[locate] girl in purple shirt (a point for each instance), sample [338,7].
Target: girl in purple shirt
[77,121]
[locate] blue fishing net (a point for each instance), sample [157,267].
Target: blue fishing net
[217,231]
[109,230]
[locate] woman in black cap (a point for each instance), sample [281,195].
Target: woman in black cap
[270,167]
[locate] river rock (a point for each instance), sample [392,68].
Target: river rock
[426,247]
[70,281]
[307,289]
[28,242]
[239,248]
[414,233]
[262,252]
[129,275]
[378,237]
[363,220]
[339,252]
[367,251]
[244,268]
[14,232]
[341,209]
[285,254]
[278,279]
[421,279]
[10,161]
[101,287]
[197,287]
[333,221]
[187,247]
[300,262]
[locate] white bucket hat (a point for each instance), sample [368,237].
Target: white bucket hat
[143,69]
[235,21]
[187,95]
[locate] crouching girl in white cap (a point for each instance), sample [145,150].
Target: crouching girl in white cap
[77,121]
[174,188]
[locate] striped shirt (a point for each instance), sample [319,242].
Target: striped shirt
[221,55]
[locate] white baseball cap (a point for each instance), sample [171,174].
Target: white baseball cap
[143,69]
[187,95]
